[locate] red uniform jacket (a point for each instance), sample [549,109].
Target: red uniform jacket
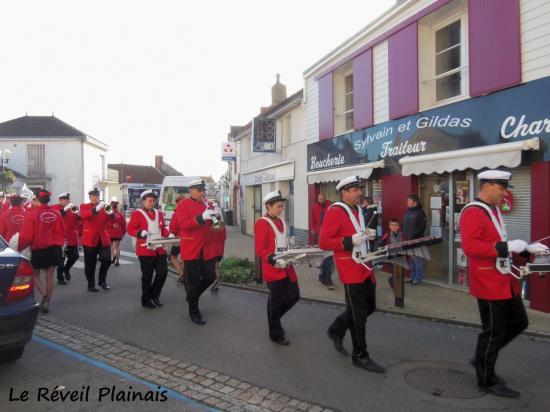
[336,226]
[72,225]
[316,215]
[215,244]
[187,223]
[94,226]
[264,245]
[479,237]
[138,223]
[43,227]
[117,226]
[11,222]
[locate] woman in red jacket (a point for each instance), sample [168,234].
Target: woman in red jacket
[11,220]
[149,222]
[117,229]
[270,237]
[44,231]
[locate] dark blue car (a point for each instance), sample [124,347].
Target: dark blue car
[18,309]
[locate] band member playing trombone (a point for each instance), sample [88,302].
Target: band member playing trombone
[191,222]
[69,212]
[270,238]
[95,239]
[485,243]
[117,229]
[344,232]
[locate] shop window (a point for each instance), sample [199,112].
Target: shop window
[343,100]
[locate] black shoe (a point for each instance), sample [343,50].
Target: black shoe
[45,304]
[216,286]
[61,282]
[181,279]
[117,263]
[281,341]
[337,341]
[500,390]
[367,363]
[157,302]
[198,319]
[93,289]
[67,276]
[104,286]
[148,305]
[500,381]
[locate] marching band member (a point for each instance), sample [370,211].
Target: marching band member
[191,222]
[213,249]
[146,222]
[3,201]
[117,229]
[344,232]
[11,221]
[69,212]
[270,237]
[95,240]
[484,241]
[44,231]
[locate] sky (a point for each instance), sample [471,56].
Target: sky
[164,77]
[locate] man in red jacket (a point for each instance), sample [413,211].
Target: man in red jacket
[344,232]
[95,240]
[484,242]
[69,212]
[270,238]
[117,229]
[44,231]
[144,223]
[191,222]
[318,213]
[12,220]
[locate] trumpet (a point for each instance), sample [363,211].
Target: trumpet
[109,209]
[72,207]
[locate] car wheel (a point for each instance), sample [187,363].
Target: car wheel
[11,355]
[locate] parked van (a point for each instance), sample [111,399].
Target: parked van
[171,187]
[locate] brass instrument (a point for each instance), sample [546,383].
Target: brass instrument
[217,221]
[153,243]
[109,209]
[540,265]
[74,208]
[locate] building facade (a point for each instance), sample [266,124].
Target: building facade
[425,97]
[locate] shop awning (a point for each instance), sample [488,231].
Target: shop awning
[335,175]
[491,156]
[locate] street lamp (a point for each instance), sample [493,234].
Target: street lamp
[4,157]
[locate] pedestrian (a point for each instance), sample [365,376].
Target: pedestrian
[191,222]
[44,231]
[116,227]
[95,240]
[146,223]
[12,220]
[484,242]
[214,249]
[345,233]
[318,213]
[270,238]
[370,214]
[393,235]
[71,218]
[414,226]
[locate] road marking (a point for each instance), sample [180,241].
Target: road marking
[79,264]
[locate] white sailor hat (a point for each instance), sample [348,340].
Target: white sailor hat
[273,196]
[64,195]
[350,181]
[148,193]
[496,176]
[114,199]
[197,184]
[94,191]
[2,194]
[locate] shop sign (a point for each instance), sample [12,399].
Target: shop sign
[228,151]
[518,113]
[507,203]
[272,174]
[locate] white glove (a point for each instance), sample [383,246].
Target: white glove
[143,234]
[100,206]
[280,263]
[171,236]
[68,207]
[517,246]
[537,248]
[358,239]
[207,215]
[371,234]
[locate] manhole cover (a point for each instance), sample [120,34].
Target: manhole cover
[444,382]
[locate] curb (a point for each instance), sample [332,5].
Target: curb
[389,311]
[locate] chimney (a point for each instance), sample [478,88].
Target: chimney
[278,92]
[158,162]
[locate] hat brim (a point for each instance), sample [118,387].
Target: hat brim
[502,182]
[349,186]
[146,196]
[275,199]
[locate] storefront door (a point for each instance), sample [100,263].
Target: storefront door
[257,203]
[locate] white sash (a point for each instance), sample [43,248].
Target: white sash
[153,227]
[502,264]
[359,252]
[281,241]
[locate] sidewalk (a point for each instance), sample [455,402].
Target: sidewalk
[428,301]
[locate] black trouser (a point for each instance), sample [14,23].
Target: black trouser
[360,303]
[283,295]
[71,254]
[150,289]
[501,322]
[200,275]
[90,261]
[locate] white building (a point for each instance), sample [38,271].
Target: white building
[53,155]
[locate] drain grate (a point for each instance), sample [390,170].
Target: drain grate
[444,382]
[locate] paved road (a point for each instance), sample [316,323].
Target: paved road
[234,344]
